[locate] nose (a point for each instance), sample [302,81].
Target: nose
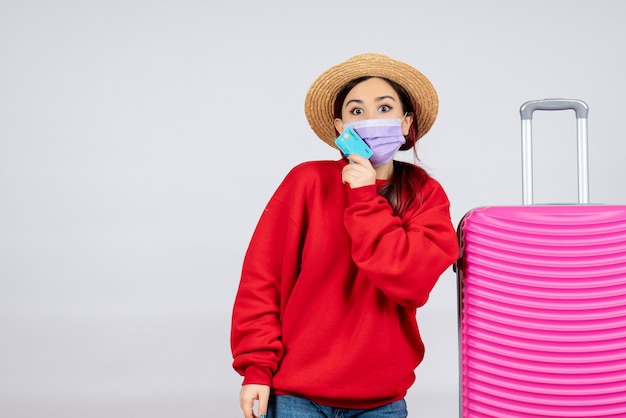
[371,114]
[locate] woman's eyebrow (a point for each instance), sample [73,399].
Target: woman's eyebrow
[378,99]
[357,101]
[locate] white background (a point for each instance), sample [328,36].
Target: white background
[140,140]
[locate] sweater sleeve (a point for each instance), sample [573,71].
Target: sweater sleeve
[402,257]
[271,260]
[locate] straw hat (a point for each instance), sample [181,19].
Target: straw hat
[320,99]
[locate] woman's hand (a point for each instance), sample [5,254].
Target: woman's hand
[360,173]
[250,393]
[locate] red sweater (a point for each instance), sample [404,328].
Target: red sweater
[330,285]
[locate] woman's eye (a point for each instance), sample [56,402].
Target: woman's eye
[384,108]
[356,111]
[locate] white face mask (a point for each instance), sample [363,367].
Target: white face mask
[383,136]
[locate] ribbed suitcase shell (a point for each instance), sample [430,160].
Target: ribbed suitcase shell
[542,301]
[542,293]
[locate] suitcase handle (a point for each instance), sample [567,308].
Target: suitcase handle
[526,112]
[578,106]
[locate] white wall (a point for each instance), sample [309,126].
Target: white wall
[140,140]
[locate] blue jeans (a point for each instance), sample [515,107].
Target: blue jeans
[293,407]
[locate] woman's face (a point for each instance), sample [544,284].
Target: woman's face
[373,98]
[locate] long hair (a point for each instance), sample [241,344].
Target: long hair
[405,187]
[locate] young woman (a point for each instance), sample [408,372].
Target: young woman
[324,321]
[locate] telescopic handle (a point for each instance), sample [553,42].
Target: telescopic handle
[582,111]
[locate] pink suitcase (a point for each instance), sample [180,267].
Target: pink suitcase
[542,300]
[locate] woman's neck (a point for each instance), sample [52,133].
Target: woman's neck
[385,171]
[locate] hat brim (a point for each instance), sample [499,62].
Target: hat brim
[320,99]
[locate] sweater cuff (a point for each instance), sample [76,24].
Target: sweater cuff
[258,376]
[362,194]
